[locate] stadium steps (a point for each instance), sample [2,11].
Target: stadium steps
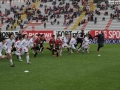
[78,20]
[84,25]
[115,25]
[24,15]
[100,25]
[92,8]
[108,24]
[54,26]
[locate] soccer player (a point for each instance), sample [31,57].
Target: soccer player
[52,45]
[72,44]
[85,44]
[80,38]
[10,45]
[24,47]
[100,37]
[58,44]
[37,45]
[18,46]
[42,40]
[8,55]
[64,43]
[31,43]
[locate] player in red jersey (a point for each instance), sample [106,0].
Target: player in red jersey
[58,45]
[52,44]
[37,45]
[42,40]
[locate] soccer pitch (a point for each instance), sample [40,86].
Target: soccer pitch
[69,72]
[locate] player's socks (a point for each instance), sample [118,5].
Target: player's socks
[35,54]
[57,54]
[20,58]
[42,49]
[83,50]
[87,50]
[61,52]
[71,51]
[27,58]
[11,63]
[53,52]
[98,48]
[79,49]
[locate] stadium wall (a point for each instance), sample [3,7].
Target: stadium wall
[111,36]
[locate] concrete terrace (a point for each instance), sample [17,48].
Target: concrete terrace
[100,25]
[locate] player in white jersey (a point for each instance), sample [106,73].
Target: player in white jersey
[65,40]
[72,43]
[64,43]
[86,44]
[18,46]
[25,45]
[4,47]
[31,43]
[10,43]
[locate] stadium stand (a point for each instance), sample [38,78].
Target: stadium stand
[58,15]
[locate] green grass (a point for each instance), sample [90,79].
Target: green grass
[70,72]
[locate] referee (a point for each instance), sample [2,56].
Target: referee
[100,41]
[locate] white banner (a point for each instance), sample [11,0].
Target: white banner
[61,32]
[71,33]
[6,33]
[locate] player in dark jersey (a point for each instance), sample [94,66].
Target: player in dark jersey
[42,40]
[100,40]
[69,38]
[52,44]
[37,45]
[80,38]
[58,44]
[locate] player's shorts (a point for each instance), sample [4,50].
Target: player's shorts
[24,50]
[100,44]
[41,45]
[9,50]
[57,48]
[85,46]
[18,52]
[37,48]
[64,45]
[51,46]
